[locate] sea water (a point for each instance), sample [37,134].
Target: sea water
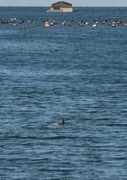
[74,72]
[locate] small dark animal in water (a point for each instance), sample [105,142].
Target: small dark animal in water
[62,122]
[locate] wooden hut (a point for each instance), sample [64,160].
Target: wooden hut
[61,6]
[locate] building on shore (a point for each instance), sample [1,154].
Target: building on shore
[61,6]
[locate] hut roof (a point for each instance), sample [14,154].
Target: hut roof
[61,2]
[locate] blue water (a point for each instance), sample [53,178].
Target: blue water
[71,72]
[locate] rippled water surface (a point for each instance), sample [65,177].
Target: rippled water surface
[71,72]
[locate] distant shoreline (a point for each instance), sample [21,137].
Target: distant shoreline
[73,6]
